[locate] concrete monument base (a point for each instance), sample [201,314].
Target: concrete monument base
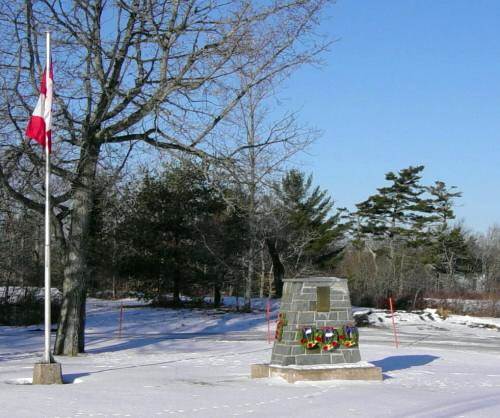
[351,371]
[47,374]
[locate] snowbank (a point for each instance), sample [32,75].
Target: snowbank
[14,294]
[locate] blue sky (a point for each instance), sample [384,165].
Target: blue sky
[408,82]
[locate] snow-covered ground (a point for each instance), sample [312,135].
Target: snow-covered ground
[15,294]
[197,363]
[466,305]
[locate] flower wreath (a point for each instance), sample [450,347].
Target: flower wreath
[351,336]
[311,337]
[329,338]
[282,322]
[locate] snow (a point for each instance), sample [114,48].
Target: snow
[379,317]
[197,363]
[466,305]
[16,293]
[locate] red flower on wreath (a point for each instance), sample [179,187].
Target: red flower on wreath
[325,348]
[318,339]
[303,341]
[310,345]
[335,344]
[342,337]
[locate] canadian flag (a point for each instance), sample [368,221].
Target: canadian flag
[40,123]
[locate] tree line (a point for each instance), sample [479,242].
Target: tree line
[183,230]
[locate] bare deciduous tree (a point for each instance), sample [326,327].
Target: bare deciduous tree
[130,75]
[488,252]
[254,169]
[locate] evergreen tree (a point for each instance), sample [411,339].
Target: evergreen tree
[222,246]
[442,201]
[397,211]
[453,256]
[450,249]
[405,230]
[307,235]
[161,229]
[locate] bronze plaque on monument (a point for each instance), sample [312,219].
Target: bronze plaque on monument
[323,299]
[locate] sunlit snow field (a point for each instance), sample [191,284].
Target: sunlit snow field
[197,364]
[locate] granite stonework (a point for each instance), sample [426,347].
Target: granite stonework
[319,302]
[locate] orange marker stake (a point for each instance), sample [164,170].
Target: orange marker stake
[396,342]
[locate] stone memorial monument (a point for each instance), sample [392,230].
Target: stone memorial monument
[316,338]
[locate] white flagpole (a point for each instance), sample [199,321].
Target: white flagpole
[47,357]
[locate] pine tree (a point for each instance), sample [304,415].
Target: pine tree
[398,211]
[161,229]
[400,219]
[442,201]
[405,229]
[452,256]
[309,231]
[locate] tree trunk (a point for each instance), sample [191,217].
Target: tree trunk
[177,289]
[114,285]
[249,278]
[176,282]
[251,213]
[278,268]
[270,281]
[262,274]
[401,280]
[70,338]
[217,295]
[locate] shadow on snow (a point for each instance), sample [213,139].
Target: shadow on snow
[392,363]
[232,324]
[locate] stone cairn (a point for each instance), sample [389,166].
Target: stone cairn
[318,304]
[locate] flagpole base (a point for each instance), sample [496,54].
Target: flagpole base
[47,374]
